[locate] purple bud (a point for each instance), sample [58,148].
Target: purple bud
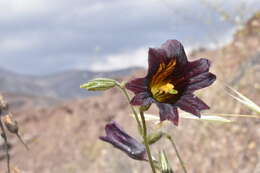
[116,136]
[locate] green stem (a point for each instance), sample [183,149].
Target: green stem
[123,89]
[146,142]
[177,153]
[141,127]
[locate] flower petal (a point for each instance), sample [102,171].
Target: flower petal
[168,112]
[155,57]
[137,85]
[169,51]
[193,101]
[191,69]
[142,99]
[196,67]
[192,104]
[200,81]
[174,49]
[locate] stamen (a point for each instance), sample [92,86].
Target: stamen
[166,88]
[163,90]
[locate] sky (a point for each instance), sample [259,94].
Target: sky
[39,37]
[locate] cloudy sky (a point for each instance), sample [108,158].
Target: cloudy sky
[46,36]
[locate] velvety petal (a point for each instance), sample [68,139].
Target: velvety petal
[174,49]
[171,49]
[142,99]
[196,67]
[200,81]
[155,57]
[137,85]
[121,140]
[193,101]
[191,104]
[191,69]
[168,112]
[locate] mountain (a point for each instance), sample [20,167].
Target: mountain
[62,85]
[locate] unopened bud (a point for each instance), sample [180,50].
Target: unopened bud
[12,126]
[99,84]
[10,123]
[164,163]
[154,137]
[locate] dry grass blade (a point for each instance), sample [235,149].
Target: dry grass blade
[242,99]
[210,118]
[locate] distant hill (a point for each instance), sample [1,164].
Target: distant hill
[62,85]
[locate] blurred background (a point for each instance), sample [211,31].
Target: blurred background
[48,48]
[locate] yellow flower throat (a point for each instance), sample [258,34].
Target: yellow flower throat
[163,91]
[160,87]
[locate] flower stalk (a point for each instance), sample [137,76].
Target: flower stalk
[123,89]
[146,142]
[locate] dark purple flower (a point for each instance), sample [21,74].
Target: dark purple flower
[171,81]
[121,140]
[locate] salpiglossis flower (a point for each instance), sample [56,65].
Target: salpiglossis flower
[171,81]
[116,136]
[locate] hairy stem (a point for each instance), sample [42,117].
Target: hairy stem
[123,89]
[177,153]
[146,142]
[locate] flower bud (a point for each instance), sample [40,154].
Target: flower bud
[99,84]
[12,126]
[10,123]
[164,164]
[122,141]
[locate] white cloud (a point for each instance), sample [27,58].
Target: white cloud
[20,8]
[122,60]
[17,44]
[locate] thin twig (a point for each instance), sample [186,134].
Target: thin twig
[21,140]
[6,145]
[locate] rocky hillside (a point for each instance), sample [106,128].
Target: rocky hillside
[64,139]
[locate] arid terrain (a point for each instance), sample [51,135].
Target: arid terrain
[63,138]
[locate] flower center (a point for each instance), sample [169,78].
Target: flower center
[162,92]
